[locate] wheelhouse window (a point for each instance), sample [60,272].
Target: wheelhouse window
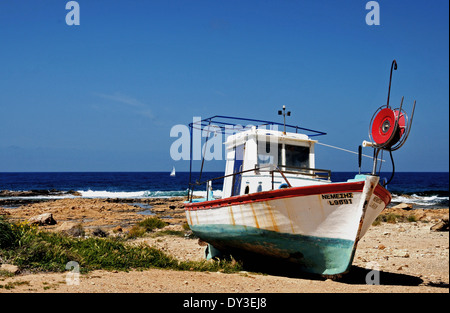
[296,156]
[285,155]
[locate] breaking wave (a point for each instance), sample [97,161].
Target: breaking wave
[422,200]
[142,194]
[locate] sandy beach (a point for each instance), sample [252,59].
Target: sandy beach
[402,257]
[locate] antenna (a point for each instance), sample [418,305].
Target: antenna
[284,113]
[359,158]
[393,66]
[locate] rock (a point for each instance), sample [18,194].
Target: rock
[74,193]
[65,226]
[117,229]
[71,229]
[4,212]
[76,231]
[403,206]
[43,219]
[98,232]
[401,253]
[442,225]
[9,268]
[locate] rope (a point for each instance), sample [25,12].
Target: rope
[367,156]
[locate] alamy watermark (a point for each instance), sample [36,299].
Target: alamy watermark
[73,16]
[373,276]
[73,277]
[373,17]
[189,144]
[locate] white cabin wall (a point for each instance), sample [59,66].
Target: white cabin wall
[250,156]
[312,157]
[228,181]
[250,162]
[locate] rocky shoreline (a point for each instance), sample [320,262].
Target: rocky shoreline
[37,192]
[14,199]
[410,254]
[106,214]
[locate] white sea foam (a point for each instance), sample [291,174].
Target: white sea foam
[142,194]
[419,200]
[111,194]
[216,194]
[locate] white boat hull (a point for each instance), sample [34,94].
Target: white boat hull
[315,226]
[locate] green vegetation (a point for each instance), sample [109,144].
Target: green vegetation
[12,285]
[146,225]
[411,218]
[169,232]
[7,234]
[29,248]
[136,231]
[186,226]
[151,223]
[394,218]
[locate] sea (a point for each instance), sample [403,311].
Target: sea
[422,189]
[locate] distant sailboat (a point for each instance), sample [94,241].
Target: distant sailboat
[173,172]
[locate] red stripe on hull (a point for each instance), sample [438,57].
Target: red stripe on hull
[383,194]
[288,193]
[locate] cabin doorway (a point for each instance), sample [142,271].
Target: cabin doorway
[238,166]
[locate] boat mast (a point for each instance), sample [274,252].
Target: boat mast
[284,113]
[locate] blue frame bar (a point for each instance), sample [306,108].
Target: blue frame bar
[207,121]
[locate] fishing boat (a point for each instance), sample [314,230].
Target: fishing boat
[275,203]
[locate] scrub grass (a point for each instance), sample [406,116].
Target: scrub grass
[144,226]
[394,219]
[151,223]
[34,250]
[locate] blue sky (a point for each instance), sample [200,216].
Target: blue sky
[103,96]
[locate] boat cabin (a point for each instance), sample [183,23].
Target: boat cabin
[261,160]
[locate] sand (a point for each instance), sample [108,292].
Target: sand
[404,257]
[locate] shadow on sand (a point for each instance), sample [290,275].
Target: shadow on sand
[356,275]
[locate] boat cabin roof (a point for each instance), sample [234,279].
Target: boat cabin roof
[267,136]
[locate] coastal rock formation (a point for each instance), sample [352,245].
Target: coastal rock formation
[42,219]
[442,225]
[424,215]
[13,199]
[98,232]
[71,229]
[35,193]
[403,206]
